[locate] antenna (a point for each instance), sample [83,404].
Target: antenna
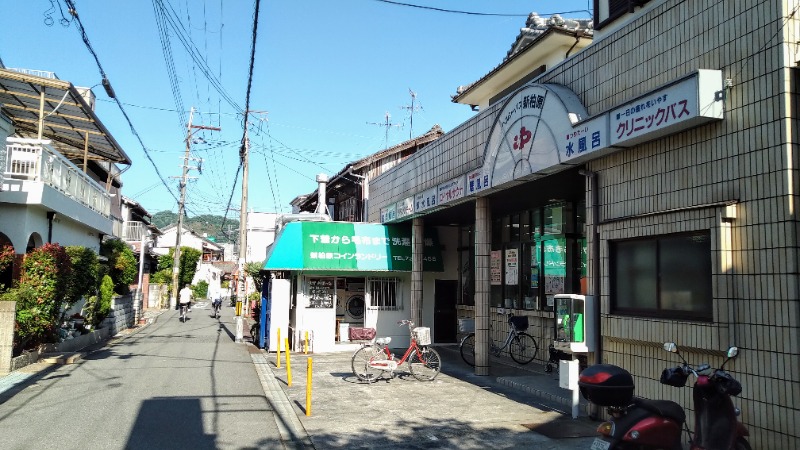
[411,110]
[387,124]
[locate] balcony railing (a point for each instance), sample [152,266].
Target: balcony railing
[133,230]
[35,160]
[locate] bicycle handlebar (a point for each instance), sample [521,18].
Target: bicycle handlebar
[405,322]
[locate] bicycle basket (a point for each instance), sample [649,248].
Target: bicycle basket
[422,335]
[520,322]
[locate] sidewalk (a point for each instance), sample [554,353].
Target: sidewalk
[516,406]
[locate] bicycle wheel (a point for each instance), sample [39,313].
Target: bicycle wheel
[361,359]
[523,348]
[425,363]
[468,349]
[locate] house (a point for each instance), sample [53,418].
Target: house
[348,190]
[140,234]
[59,181]
[652,174]
[211,253]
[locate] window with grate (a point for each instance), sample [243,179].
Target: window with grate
[384,294]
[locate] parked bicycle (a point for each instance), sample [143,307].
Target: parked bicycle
[522,346]
[374,359]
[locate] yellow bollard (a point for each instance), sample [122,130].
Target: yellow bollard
[305,344]
[279,349]
[308,386]
[288,364]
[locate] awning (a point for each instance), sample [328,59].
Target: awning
[348,246]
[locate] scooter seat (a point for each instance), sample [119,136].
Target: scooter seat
[665,408]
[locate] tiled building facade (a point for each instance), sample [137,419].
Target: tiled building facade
[732,183]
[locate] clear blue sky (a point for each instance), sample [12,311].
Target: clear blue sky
[324,72]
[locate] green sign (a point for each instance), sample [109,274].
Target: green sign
[349,246]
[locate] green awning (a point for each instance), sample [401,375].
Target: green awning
[348,246]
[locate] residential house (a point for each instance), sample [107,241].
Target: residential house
[211,253]
[140,234]
[59,180]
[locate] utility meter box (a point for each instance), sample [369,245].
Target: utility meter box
[575,323]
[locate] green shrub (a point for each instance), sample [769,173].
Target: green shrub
[85,274]
[122,264]
[200,290]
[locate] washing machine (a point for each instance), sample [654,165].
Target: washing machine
[354,307]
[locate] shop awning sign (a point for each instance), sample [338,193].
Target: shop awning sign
[349,246]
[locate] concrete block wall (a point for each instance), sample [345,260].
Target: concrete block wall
[121,316]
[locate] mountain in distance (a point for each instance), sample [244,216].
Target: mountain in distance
[206,224]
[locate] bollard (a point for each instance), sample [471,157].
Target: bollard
[305,344]
[308,386]
[288,364]
[278,354]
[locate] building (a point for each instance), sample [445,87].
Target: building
[208,269]
[663,155]
[140,234]
[59,181]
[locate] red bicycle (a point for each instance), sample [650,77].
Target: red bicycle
[374,359]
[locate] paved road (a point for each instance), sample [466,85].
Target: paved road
[171,385]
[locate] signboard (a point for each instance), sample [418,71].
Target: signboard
[512,266]
[687,103]
[320,292]
[405,207]
[350,246]
[425,200]
[477,182]
[495,268]
[451,191]
[389,213]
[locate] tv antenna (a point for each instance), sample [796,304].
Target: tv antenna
[386,124]
[411,110]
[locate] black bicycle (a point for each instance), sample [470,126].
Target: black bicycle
[522,346]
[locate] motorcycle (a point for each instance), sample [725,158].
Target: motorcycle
[641,424]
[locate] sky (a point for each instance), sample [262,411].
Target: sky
[325,75]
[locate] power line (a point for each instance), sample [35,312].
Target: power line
[110,91]
[471,13]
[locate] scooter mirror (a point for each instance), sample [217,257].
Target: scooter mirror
[732,352]
[671,347]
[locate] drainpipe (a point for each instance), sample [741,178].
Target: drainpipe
[578,35]
[50,216]
[592,179]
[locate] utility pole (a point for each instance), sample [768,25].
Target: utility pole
[176,261]
[245,160]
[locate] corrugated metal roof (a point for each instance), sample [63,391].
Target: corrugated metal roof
[68,117]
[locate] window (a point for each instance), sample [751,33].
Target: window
[665,276]
[606,11]
[384,294]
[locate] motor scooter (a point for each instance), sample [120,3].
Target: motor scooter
[641,424]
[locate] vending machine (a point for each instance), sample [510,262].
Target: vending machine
[575,323]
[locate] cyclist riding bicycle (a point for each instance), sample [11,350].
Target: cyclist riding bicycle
[216,300]
[186,297]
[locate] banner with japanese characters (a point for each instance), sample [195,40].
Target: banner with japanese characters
[350,246]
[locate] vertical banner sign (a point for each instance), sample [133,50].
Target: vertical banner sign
[512,266]
[495,269]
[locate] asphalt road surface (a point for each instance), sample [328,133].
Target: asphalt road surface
[171,385]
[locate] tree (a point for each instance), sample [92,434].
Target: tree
[187,268]
[254,271]
[122,264]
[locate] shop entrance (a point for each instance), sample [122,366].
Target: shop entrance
[444,315]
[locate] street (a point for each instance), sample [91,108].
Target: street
[170,385]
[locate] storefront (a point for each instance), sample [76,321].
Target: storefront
[326,277]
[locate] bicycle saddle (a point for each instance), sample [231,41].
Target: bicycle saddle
[383,340]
